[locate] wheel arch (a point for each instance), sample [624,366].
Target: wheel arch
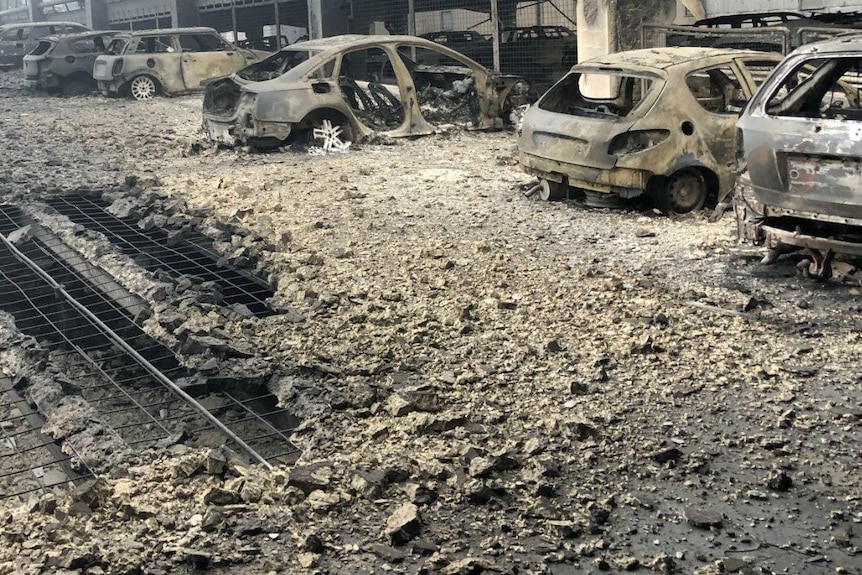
[713,182]
[333,115]
[150,74]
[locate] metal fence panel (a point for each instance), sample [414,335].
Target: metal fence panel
[260,24]
[535,39]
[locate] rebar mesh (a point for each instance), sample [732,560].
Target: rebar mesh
[151,249]
[132,401]
[29,460]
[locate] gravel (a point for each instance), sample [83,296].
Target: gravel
[486,383]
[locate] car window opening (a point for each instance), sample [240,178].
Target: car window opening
[717,90]
[367,81]
[445,87]
[116,47]
[597,95]
[275,66]
[820,88]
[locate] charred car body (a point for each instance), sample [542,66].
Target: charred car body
[658,122]
[800,140]
[355,86]
[168,61]
[65,63]
[16,40]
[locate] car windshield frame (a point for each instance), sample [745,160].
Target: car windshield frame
[278,64]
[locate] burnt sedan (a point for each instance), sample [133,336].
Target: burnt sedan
[344,88]
[658,122]
[800,148]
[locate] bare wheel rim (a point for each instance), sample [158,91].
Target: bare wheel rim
[143,88]
[686,192]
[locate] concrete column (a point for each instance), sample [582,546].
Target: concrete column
[327,18]
[607,26]
[97,14]
[495,34]
[315,19]
[596,28]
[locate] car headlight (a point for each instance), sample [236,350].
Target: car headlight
[633,142]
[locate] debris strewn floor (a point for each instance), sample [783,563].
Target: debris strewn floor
[485,383]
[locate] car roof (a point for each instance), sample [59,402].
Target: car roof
[165,31]
[851,42]
[78,35]
[48,23]
[359,40]
[664,58]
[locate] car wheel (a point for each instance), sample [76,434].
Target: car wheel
[143,88]
[76,88]
[330,135]
[548,191]
[682,193]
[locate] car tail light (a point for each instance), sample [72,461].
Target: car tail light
[118,67]
[740,150]
[633,142]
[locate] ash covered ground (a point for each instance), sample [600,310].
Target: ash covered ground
[486,384]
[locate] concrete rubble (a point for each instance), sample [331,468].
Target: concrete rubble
[484,384]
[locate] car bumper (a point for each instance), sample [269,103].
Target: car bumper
[623,182]
[42,82]
[111,88]
[774,227]
[243,130]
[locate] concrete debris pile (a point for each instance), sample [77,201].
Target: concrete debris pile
[485,384]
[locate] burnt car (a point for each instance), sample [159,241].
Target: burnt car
[16,40]
[65,63]
[168,61]
[353,86]
[765,31]
[467,42]
[540,54]
[658,122]
[799,143]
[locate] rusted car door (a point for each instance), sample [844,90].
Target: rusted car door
[206,56]
[721,92]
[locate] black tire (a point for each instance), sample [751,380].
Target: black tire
[682,192]
[552,191]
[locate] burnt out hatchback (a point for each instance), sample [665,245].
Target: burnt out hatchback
[800,143]
[656,122]
[344,88]
[64,64]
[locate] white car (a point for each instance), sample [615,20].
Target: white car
[170,61]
